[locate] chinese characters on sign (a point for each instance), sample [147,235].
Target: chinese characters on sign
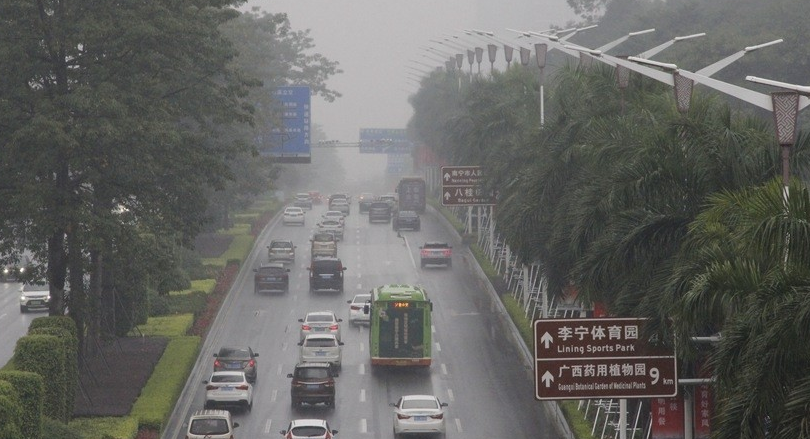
[600,358]
[385,141]
[462,186]
[290,143]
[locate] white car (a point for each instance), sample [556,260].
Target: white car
[331,226]
[321,348]
[334,215]
[308,429]
[418,414]
[34,296]
[319,322]
[228,388]
[356,305]
[293,215]
[211,424]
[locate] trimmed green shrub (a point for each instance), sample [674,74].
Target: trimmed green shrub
[204,285]
[70,377]
[9,412]
[167,326]
[52,428]
[162,305]
[45,355]
[63,322]
[30,388]
[125,427]
[159,395]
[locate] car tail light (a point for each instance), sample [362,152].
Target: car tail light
[424,252]
[448,253]
[439,416]
[217,363]
[401,416]
[251,363]
[210,387]
[329,384]
[242,387]
[333,327]
[306,328]
[356,308]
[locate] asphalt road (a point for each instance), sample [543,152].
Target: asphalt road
[476,369]
[13,324]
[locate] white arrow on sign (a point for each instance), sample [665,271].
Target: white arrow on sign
[447,195]
[547,339]
[446,176]
[547,378]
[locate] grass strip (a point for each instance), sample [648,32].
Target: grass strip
[158,397]
[238,250]
[204,285]
[109,427]
[167,326]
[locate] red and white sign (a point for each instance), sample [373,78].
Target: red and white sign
[667,418]
[703,412]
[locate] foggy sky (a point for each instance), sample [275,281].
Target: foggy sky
[378,43]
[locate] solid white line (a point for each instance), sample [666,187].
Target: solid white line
[362,395]
[363,425]
[267,426]
[458,425]
[450,395]
[410,253]
[444,369]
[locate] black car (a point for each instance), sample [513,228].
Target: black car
[364,201]
[436,253]
[326,274]
[312,383]
[406,219]
[271,278]
[379,211]
[238,358]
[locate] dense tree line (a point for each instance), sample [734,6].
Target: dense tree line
[121,125]
[680,218]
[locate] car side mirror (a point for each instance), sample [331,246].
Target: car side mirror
[235,424]
[301,320]
[287,270]
[334,431]
[215,355]
[309,268]
[366,309]
[340,320]
[289,375]
[283,431]
[255,354]
[340,343]
[300,343]
[344,268]
[444,404]
[392,404]
[348,301]
[205,381]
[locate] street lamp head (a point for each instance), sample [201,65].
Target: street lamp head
[663,65]
[802,89]
[760,46]
[583,49]
[689,37]
[641,32]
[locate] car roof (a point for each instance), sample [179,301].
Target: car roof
[35,287]
[320,336]
[436,243]
[413,397]
[313,364]
[302,194]
[334,212]
[294,208]
[281,241]
[407,212]
[362,295]
[314,313]
[211,413]
[308,422]
[228,372]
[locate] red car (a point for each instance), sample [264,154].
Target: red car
[316,196]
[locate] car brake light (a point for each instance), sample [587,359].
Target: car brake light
[217,363]
[242,387]
[356,308]
[329,384]
[448,252]
[333,327]
[439,416]
[251,363]
[210,387]
[306,327]
[401,416]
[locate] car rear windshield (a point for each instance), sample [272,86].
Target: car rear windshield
[227,379]
[309,431]
[209,426]
[312,373]
[281,245]
[419,404]
[234,353]
[323,237]
[271,270]
[319,318]
[320,343]
[435,245]
[327,266]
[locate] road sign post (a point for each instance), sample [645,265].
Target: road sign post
[463,186]
[600,358]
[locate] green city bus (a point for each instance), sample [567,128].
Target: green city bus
[399,326]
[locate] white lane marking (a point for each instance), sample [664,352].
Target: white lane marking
[432,329]
[363,425]
[284,346]
[362,370]
[278,370]
[450,395]
[362,347]
[267,426]
[3,315]
[458,425]
[362,395]
[410,253]
[274,395]
[360,287]
[438,347]
[444,369]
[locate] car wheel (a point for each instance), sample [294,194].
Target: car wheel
[331,402]
[249,406]
[449,264]
[23,309]
[295,403]
[418,228]
[422,264]
[207,405]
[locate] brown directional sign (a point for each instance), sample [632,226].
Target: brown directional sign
[600,358]
[461,186]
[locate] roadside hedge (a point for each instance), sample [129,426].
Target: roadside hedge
[170,304]
[9,412]
[111,427]
[45,355]
[30,388]
[52,428]
[160,394]
[70,377]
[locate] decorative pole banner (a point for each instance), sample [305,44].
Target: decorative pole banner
[459,60]
[525,54]
[683,92]
[785,113]
[492,50]
[507,52]
[622,77]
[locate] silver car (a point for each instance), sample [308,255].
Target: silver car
[319,322]
[357,313]
[281,250]
[421,414]
[293,215]
[321,348]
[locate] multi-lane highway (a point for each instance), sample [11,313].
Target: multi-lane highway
[476,368]
[13,324]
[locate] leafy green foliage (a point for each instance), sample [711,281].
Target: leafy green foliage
[10,413]
[45,355]
[30,388]
[54,428]
[105,427]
